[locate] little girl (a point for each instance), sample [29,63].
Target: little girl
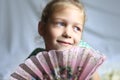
[61,25]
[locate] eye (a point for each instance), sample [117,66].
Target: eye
[59,24]
[76,28]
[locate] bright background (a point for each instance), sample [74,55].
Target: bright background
[19,36]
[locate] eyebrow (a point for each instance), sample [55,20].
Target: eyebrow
[76,23]
[65,20]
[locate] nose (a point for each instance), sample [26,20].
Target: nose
[67,33]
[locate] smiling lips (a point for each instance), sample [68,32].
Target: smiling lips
[64,42]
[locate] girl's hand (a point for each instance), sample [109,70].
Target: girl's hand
[96,76]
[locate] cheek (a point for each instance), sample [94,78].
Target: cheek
[50,34]
[77,39]
[55,32]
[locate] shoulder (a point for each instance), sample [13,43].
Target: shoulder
[37,50]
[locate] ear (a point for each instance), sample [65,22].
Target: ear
[41,28]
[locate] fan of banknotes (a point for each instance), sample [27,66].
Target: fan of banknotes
[78,63]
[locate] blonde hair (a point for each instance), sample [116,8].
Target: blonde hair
[56,4]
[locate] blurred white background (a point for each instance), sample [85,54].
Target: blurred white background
[19,36]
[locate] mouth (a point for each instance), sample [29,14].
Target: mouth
[64,42]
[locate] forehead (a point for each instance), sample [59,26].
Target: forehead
[60,6]
[69,13]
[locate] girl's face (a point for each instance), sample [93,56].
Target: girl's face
[64,29]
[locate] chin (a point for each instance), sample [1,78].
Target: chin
[59,48]
[63,48]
